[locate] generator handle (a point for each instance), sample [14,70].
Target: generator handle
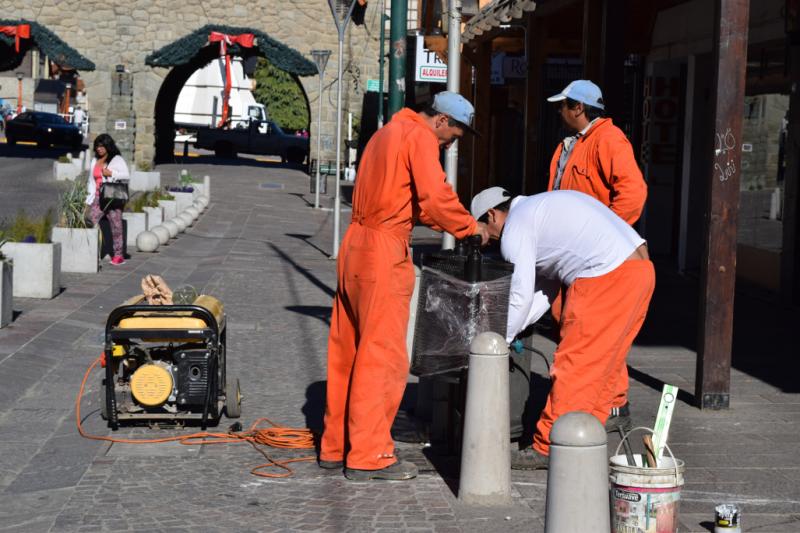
[127,311]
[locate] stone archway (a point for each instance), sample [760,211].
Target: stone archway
[194,51]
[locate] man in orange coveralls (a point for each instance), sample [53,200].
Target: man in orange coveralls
[568,238]
[597,160]
[399,181]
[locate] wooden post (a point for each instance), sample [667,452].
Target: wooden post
[790,253]
[713,378]
[535,43]
[483,115]
[592,54]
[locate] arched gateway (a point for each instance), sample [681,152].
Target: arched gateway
[194,51]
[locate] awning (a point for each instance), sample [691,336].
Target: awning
[184,49]
[493,15]
[48,44]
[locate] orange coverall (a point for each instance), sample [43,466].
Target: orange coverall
[601,318]
[399,179]
[603,166]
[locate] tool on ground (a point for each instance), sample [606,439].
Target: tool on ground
[669,396]
[627,447]
[650,456]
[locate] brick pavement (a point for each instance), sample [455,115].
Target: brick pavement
[263,252]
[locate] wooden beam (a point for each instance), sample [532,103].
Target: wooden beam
[713,377]
[592,53]
[612,81]
[536,53]
[483,112]
[790,251]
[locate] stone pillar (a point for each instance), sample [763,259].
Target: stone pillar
[120,118]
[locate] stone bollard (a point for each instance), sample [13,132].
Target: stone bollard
[577,477]
[485,455]
[162,233]
[147,241]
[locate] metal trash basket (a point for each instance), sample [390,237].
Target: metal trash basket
[451,311]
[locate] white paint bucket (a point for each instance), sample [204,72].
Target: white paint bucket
[645,500]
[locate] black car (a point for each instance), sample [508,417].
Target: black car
[45,129]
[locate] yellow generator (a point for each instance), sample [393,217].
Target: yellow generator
[166,364]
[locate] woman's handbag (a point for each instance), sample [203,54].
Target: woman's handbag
[113,195]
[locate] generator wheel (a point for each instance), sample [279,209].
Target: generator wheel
[233,398]
[103,401]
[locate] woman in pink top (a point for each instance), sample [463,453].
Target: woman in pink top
[107,166]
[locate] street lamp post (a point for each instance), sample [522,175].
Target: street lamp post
[341,10]
[321,59]
[19,92]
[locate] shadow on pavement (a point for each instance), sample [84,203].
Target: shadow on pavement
[320,312]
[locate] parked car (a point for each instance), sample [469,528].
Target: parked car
[250,140]
[45,129]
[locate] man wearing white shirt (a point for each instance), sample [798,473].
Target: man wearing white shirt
[570,238]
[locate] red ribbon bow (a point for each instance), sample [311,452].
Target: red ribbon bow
[20,31]
[245,40]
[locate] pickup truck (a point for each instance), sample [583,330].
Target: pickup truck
[249,140]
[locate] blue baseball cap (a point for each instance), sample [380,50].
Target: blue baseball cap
[583,91]
[456,107]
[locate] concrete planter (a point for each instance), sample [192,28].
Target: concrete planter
[6,293]
[155,216]
[137,223]
[207,186]
[144,181]
[38,268]
[66,171]
[198,190]
[80,249]
[183,200]
[170,208]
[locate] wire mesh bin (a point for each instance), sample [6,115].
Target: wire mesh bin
[451,311]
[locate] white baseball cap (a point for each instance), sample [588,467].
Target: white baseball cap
[583,91]
[488,199]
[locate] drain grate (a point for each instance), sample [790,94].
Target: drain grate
[271,186]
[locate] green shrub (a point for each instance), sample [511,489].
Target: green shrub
[23,228]
[71,205]
[144,166]
[63,159]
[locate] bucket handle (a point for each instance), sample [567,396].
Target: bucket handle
[666,447]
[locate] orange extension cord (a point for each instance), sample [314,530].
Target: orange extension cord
[275,436]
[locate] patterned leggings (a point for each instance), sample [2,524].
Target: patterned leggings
[114,217]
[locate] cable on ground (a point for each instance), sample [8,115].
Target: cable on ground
[275,436]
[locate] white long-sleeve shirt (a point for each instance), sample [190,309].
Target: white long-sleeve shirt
[554,238]
[119,172]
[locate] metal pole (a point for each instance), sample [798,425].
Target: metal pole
[453,84]
[321,59]
[397,64]
[337,206]
[381,62]
[319,142]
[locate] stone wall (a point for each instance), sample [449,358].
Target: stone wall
[112,32]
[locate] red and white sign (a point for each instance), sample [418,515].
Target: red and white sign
[429,67]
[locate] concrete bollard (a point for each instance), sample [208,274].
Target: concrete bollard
[577,477]
[485,454]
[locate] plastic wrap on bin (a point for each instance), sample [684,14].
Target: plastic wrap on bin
[451,312]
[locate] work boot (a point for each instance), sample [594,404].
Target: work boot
[529,459]
[619,417]
[331,465]
[399,471]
